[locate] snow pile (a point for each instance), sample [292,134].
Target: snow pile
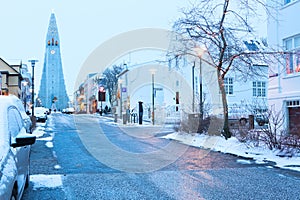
[233,146]
[39,131]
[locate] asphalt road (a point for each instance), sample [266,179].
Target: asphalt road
[88,157]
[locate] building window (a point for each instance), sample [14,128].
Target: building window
[259,89]
[293,62]
[292,59]
[228,84]
[295,103]
[297,42]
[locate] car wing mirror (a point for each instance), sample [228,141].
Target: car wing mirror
[23,140]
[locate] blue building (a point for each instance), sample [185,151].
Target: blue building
[52,93]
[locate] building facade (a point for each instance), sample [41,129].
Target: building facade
[52,93]
[10,78]
[284,35]
[247,96]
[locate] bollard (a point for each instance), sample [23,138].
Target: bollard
[140,112]
[124,118]
[116,118]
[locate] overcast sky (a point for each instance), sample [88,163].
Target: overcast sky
[82,26]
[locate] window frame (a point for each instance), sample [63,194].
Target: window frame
[292,59]
[259,89]
[228,85]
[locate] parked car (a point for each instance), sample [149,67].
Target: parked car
[40,114]
[25,116]
[14,150]
[70,110]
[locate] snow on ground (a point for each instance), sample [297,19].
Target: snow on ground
[233,146]
[39,131]
[46,181]
[42,180]
[49,144]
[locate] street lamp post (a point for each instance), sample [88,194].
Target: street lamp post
[200,52]
[193,84]
[201,97]
[153,98]
[32,85]
[121,98]
[153,91]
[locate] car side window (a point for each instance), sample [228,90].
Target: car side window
[14,122]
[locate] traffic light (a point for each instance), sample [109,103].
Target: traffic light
[101,94]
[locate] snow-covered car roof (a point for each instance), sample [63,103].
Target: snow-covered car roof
[18,103]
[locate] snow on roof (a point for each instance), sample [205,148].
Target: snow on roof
[255,45]
[14,61]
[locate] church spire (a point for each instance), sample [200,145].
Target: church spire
[52,34]
[52,91]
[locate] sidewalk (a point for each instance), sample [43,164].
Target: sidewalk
[232,146]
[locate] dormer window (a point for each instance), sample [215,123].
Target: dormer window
[287,1]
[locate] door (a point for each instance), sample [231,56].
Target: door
[294,120]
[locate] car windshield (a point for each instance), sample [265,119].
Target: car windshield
[40,110]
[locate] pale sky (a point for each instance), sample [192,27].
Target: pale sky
[82,27]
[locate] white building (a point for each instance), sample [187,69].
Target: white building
[246,96]
[284,91]
[246,91]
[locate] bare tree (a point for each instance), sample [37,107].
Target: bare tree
[274,134]
[111,81]
[220,26]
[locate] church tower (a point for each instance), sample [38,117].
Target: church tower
[52,93]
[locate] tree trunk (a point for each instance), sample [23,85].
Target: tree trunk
[226,132]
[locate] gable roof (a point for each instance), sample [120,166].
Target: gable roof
[4,66]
